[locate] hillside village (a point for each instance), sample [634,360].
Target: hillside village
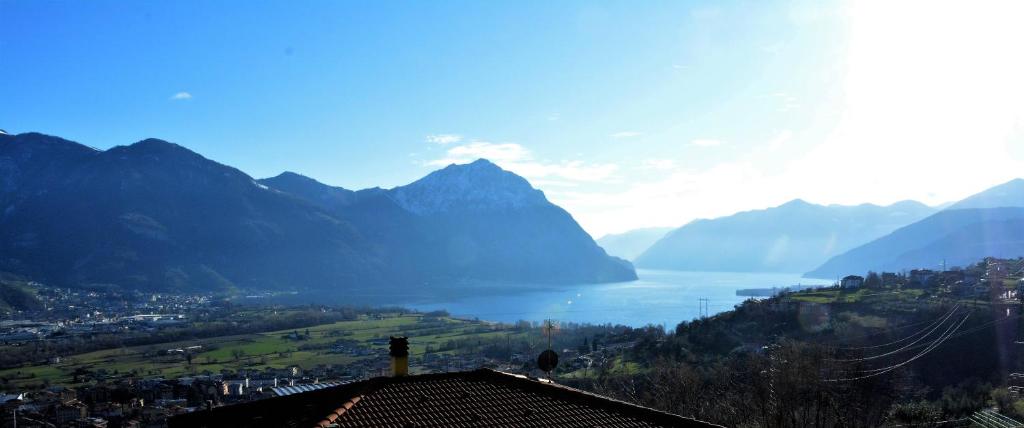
[1004,277]
[123,364]
[160,380]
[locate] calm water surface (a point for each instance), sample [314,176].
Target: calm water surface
[658,297]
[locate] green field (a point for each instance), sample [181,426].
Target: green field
[257,351]
[860,295]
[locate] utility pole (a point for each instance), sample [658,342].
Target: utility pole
[549,332]
[703,307]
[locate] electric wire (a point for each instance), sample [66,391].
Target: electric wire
[907,346]
[977,328]
[931,424]
[935,344]
[940,319]
[928,347]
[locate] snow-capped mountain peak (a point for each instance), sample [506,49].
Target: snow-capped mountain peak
[480,185]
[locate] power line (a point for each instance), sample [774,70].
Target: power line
[905,347]
[935,344]
[931,424]
[928,347]
[940,319]
[978,328]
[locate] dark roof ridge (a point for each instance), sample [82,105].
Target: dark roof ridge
[320,408]
[622,406]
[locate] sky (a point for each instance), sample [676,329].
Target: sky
[628,114]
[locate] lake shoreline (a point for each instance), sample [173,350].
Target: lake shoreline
[658,297]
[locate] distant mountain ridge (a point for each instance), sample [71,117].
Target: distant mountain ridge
[791,237]
[1008,194]
[156,216]
[309,189]
[475,220]
[989,223]
[631,244]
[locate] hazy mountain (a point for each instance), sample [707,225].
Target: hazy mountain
[990,223]
[311,190]
[630,244]
[154,215]
[1008,194]
[474,221]
[787,238]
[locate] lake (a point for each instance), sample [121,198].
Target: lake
[658,297]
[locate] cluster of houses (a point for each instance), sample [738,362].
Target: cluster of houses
[979,278]
[129,402]
[21,332]
[68,313]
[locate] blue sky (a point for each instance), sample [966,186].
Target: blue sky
[629,114]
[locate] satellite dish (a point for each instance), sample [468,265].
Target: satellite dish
[547,360]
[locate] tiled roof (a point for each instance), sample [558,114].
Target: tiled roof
[480,398]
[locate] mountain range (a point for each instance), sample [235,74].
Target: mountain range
[466,221]
[631,244]
[794,237]
[156,216]
[990,223]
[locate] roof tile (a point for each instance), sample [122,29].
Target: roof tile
[477,399]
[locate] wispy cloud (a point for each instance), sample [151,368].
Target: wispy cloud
[574,170]
[520,160]
[181,96]
[444,138]
[705,142]
[627,134]
[494,152]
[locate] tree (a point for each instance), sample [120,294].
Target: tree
[873,281]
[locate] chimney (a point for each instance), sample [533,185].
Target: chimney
[399,356]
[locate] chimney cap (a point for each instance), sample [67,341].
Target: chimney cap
[399,346]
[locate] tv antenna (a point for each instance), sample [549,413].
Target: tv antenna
[548,360]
